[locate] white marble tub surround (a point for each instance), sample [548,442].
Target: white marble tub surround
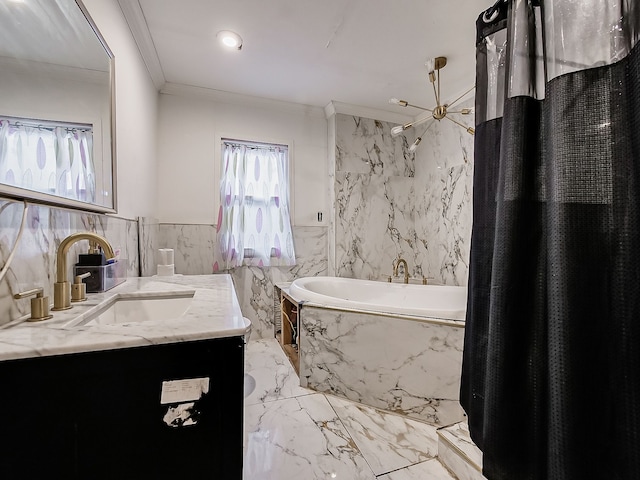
[214,312]
[403,365]
[430,301]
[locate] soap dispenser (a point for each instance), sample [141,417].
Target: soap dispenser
[99,274]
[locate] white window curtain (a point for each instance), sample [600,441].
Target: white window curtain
[48,159]
[254,223]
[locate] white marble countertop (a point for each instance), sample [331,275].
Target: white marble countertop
[214,312]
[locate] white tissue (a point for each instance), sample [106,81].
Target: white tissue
[166,270]
[165,256]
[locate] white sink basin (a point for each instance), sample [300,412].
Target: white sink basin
[139,309]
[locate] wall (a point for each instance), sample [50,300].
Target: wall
[136,114]
[191,121]
[389,204]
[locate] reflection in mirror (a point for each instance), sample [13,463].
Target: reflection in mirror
[55,105]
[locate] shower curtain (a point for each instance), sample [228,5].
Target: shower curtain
[551,371]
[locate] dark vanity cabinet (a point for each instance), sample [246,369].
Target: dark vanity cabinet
[138,413]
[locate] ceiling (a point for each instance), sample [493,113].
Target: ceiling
[311,52]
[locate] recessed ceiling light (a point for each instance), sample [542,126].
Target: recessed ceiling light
[230,39]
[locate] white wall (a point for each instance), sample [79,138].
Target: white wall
[136,114]
[192,120]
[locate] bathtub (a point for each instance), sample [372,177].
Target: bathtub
[392,346]
[430,301]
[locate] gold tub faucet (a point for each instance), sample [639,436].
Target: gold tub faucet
[396,264]
[62,287]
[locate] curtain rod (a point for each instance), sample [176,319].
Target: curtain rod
[243,143]
[45,124]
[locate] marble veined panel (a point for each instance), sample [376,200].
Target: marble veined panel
[282,436]
[148,233]
[387,441]
[374,225]
[404,366]
[364,145]
[444,229]
[254,285]
[193,247]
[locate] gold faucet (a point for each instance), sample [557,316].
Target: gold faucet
[396,264]
[62,287]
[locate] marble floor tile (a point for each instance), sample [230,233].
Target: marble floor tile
[388,441]
[429,470]
[300,438]
[458,435]
[271,370]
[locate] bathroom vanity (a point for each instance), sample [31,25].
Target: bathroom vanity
[129,398]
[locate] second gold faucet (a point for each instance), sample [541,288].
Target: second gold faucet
[396,264]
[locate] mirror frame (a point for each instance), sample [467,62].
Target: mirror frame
[13,192]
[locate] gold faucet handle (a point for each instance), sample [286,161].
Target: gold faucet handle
[39,304]
[79,288]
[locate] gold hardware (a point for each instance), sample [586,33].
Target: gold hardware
[39,304]
[62,287]
[440,110]
[79,288]
[440,62]
[424,280]
[396,264]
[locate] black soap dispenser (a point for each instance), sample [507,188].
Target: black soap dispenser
[104,274]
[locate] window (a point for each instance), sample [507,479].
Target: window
[254,224]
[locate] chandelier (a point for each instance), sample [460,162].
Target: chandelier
[438,112]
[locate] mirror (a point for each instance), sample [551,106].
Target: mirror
[56,106]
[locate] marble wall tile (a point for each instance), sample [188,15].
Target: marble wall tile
[193,247]
[194,254]
[364,145]
[331,145]
[389,204]
[403,366]
[444,175]
[374,199]
[149,238]
[34,262]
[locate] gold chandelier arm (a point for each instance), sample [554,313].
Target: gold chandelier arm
[435,91]
[420,108]
[471,130]
[464,111]
[460,97]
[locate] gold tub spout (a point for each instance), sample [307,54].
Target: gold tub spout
[396,264]
[62,286]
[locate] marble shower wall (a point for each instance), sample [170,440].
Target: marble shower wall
[194,254]
[444,176]
[34,262]
[388,203]
[374,214]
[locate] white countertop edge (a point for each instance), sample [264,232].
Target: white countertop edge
[214,313]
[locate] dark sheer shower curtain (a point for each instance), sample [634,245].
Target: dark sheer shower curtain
[551,371]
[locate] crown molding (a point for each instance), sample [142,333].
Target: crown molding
[222,96]
[334,107]
[140,30]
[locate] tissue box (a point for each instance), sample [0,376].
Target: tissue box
[103,277]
